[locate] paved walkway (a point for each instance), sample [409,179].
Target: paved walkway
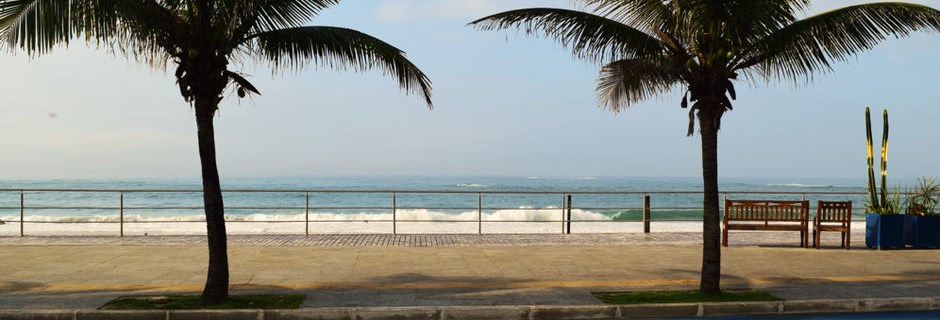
[435,270]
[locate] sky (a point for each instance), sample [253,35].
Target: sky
[504,105]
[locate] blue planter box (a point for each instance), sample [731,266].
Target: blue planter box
[922,231]
[910,222]
[884,231]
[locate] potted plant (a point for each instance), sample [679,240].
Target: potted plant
[922,219]
[884,225]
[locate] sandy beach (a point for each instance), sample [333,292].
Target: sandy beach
[198,228]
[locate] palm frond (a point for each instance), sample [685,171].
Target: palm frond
[746,15]
[339,48]
[35,25]
[591,37]
[147,30]
[265,15]
[243,86]
[637,13]
[624,82]
[813,44]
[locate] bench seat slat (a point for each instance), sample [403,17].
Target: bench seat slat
[773,227]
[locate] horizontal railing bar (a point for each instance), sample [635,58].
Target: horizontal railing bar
[335,221]
[346,208]
[607,208]
[70,208]
[362,208]
[350,208]
[469,192]
[69,222]
[321,221]
[427,208]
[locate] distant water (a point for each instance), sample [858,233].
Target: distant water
[99,206]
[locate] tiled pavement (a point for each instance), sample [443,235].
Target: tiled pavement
[434,270]
[426,240]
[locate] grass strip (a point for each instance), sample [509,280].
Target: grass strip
[681,296]
[275,301]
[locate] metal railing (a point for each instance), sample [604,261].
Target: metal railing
[563,211]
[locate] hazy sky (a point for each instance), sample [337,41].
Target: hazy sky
[504,105]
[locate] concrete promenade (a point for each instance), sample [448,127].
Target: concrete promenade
[450,270]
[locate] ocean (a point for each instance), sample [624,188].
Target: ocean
[364,204]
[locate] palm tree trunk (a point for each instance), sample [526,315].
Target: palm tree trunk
[711,249]
[216,289]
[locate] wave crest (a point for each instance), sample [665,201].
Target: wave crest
[521,214]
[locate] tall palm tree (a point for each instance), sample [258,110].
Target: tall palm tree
[201,37]
[651,47]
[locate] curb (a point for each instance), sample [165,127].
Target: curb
[505,312]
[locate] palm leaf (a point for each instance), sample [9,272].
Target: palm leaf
[744,18]
[242,83]
[814,43]
[624,82]
[636,13]
[146,29]
[256,16]
[340,48]
[35,25]
[591,37]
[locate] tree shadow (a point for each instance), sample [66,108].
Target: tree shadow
[416,289]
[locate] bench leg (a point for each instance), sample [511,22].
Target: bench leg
[724,237]
[848,238]
[817,238]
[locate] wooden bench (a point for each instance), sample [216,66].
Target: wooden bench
[833,216]
[766,215]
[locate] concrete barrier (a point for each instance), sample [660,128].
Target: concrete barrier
[504,312]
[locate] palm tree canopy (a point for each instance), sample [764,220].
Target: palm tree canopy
[649,47]
[155,31]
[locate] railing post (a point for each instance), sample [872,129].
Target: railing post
[121,216]
[479,213]
[569,214]
[22,215]
[563,196]
[646,213]
[307,213]
[394,215]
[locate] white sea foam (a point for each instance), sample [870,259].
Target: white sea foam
[467,185]
[247,227]
[521,220]
[521,214]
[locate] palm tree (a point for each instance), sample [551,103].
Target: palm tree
[201,37]
[650,47]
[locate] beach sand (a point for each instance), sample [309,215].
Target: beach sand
[198,228]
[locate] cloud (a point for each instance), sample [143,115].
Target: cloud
[410,10]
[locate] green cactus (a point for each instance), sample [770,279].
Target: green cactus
[878,200]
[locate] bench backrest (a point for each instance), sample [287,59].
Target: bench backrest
[766,210]
[834,211]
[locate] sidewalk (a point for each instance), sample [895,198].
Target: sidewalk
[449,270]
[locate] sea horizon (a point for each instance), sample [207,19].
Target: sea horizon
[316,180]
